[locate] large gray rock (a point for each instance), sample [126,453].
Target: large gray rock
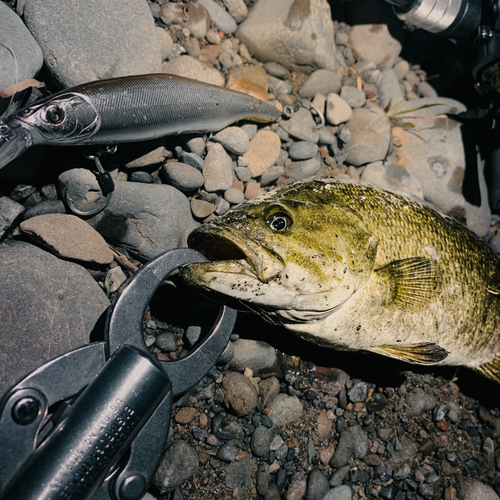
[297,34]
[47,307]
[20,55]
[371,135]
[147,219]
[436,158]
[84,41]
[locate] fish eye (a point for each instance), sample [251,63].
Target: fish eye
[279,221]
[54,114]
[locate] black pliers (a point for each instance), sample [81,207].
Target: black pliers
[107,440]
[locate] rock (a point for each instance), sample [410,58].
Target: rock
[354,97]
[269,388]
[436,159]
[473,489]
[166,341]
[337,110]
[317,485]
[373,43]
[322,81]
[302,150]
[389,89]
[165,42]
[260,443]
[146,219]
[342,492]
[197,146]
[243,173]
[239,474]
[217,169]
[301,126]
[251,80]
[298,487]
[106,39]
[239,393]
[358,392]
[202,208]
[259,356]
[198,23]
[142,155]
[220,17]
[276,69]
[10,210]
[48,307]
[20,56]
[370,136]
[344,450]
[69,237]
[279,87]
[359,441]
[302,169]
[177,465]
[190,67]
[263,151]
[234,196]
[418,401]
[271,174]
[393,177]
[227,453]
[182,176]
[298,35]
[339,475]
[237,9]
[406,454]
[233,139]
[285,409]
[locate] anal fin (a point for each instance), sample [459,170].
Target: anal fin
[412,283]
[490,370]
[421,354]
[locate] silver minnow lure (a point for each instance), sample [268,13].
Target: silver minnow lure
[127,109]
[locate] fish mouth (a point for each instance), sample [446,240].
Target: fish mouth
[14,141]
[241,256]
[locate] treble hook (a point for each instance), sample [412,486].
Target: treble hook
[103,178]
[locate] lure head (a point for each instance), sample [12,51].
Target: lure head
[63,119]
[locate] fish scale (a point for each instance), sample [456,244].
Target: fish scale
[413,282]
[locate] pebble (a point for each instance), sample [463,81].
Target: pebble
[263,151]
[321,81]
[370,136]
[222,19]
[298,487]
[10,210]
[317,485]
[389,89]
[285,409]
[177,465]
[260,443]
[243,173]
[217,169]
[227,453]
[167,342]
[165,42]
[342,492]
[354,97]
[193,68]
[418,401]
[201,208]
[270,30]
[234,196]
[192,159]
[260,357]
[302,150]
[337,110]
[239,393]
[237,9]
[140,176]
[252,190]
[251,80]
[276,69]
[271,175]
[182,176]
[239,474]
[105,39]
[234,139]
[344,450]
[301,126]
[373,43]
[69,237]
[269,388]
[303,169]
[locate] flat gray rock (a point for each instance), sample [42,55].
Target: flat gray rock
[298,35]
[96,40]
[20,55]
[10,210]
[146,219]
[301,126]
[48,306]
[322,81]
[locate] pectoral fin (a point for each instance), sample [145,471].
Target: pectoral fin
[411,283]
[420,354]
[490,370]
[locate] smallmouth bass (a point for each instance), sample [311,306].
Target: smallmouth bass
[355,267]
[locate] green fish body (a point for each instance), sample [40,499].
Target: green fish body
[354,267]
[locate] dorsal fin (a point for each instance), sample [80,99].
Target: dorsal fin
[413,283]
[490,370]
[425,353]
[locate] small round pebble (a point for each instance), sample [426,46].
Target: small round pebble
[201,208]
[243,173]
[166,342]
[233,139]
[234,196]
[302,150]
[182,176]
[260,443]
[227,453]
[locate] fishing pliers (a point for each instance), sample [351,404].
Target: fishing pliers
[112,400]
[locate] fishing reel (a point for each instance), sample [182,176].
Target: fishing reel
[475,23]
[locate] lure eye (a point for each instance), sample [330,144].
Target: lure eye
[54,115]
[279,221]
